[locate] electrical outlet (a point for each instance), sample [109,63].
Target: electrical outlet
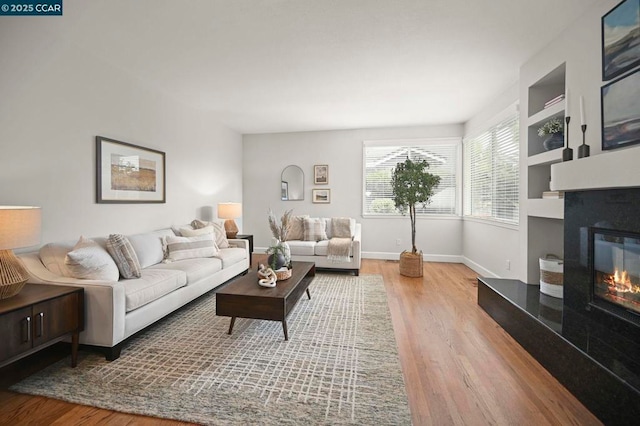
[508,265]
[398,241]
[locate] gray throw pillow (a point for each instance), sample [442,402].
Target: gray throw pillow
[124,255]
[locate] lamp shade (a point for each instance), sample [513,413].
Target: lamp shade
[20,226]
[229,210]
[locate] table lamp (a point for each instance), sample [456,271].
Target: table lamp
[19,227]
[230,211]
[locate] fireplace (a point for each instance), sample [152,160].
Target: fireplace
[615,272]
[602,268]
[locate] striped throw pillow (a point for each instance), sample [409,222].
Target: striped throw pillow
[180,248]
[314,229]
[124,255]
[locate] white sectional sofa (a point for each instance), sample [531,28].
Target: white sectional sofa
[316,251]
[115,310]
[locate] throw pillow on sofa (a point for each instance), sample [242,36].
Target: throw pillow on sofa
[296,228]
[89,261]
[188,232]
[124,255]
[218,230]
[314,229]
[179,248]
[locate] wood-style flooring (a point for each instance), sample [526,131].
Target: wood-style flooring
[460,367]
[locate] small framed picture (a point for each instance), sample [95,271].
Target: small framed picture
[621,112]
[321,174]
[127,173]
[284,195]
[321,196]
[620,39]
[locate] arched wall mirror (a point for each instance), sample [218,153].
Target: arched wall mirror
[292,184]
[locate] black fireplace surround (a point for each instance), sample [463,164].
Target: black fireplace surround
[590,344]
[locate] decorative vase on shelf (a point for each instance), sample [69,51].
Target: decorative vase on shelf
[553,141]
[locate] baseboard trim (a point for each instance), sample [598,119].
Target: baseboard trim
[479,269]
[381,255]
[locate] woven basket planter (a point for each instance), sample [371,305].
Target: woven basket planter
[411,264]
[284,275]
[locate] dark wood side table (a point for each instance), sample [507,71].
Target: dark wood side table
[37,315]
[248,237]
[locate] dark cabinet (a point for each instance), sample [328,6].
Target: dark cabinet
[38,315]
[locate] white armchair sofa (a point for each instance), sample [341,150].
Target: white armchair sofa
[317,251]
[115,310]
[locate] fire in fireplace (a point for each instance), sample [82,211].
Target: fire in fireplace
[616,267]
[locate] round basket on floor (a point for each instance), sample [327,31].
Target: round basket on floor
[284,275]
[551,275]
[411,264]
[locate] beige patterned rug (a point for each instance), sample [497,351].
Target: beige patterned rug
[340,365]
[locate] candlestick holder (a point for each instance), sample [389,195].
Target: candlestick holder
[583,150]
[567,153]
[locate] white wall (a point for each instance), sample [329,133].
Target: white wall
[579,46]
[488,248]
[266,155]
[55,98]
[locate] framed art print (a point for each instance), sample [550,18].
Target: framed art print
[321,174]
[620,39]
[321,196]
[127,173]
[621,112]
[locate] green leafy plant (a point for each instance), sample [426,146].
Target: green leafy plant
[550,127]
[412,184]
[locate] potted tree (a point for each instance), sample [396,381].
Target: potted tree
[411,185]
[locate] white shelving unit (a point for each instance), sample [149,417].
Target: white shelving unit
[544,217]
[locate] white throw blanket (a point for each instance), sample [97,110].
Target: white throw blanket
[339,246]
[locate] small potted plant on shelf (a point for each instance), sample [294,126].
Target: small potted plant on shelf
[554,132]
[412,184]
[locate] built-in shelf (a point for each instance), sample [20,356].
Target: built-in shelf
[547,157]
[538,119]
[550,208]
[542,231]
[610,169]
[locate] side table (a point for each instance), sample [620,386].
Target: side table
[38,315]
[248,237]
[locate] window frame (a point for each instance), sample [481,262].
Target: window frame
[509,113]
[400,143]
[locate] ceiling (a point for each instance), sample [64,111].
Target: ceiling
[297,65]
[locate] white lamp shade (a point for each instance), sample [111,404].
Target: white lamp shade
[20,226]
[229,210]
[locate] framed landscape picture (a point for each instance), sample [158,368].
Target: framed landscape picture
[621,39]
[321,174]
[127,173]
[321,196]
[621,112]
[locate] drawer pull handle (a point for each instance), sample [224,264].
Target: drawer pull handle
[40,324]
[28,329]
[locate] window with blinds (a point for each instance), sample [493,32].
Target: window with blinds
[491,172]
[380,158]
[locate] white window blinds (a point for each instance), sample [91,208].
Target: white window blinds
[491,172]
[380,160]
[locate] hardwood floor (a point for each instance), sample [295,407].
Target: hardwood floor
[460,367]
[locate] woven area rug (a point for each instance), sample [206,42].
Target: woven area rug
[340,365]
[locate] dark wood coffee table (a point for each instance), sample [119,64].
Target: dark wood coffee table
[244,298]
